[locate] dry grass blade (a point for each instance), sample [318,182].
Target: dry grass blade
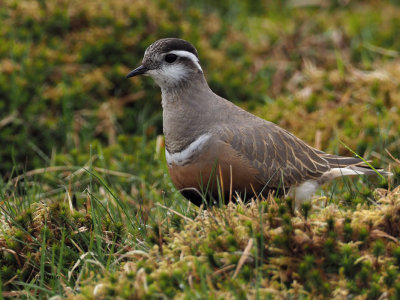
[224,269]
[131,254]
[376,233]
[7,120]
[15,294]
[13,253]
[70,169]
[78,262]
[243,258]
[392,157]
[174,212]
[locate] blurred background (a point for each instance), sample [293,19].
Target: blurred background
[326,70]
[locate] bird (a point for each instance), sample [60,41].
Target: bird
[216,150]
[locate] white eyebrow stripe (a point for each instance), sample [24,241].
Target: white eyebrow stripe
[189,55]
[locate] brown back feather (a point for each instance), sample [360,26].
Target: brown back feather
[280,158]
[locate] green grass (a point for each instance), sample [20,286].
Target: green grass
[87,209]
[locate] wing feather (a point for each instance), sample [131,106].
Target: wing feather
[279,156]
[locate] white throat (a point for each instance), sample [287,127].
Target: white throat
[169,76]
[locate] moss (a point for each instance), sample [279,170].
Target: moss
[363,234]
[396,256]
[378,249]
[391,277]
[324,266]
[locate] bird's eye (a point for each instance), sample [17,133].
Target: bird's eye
[170,58]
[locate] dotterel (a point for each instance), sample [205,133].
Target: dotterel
[213,145]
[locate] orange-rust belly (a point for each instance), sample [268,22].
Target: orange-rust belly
[213,179]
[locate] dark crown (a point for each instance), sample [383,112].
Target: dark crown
[170,44]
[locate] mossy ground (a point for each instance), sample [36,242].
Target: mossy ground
[87,209]
[266,250]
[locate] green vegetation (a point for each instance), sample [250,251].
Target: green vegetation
[87,209]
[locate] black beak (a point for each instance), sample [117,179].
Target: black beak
[138,71]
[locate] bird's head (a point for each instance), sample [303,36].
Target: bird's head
[171,62]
